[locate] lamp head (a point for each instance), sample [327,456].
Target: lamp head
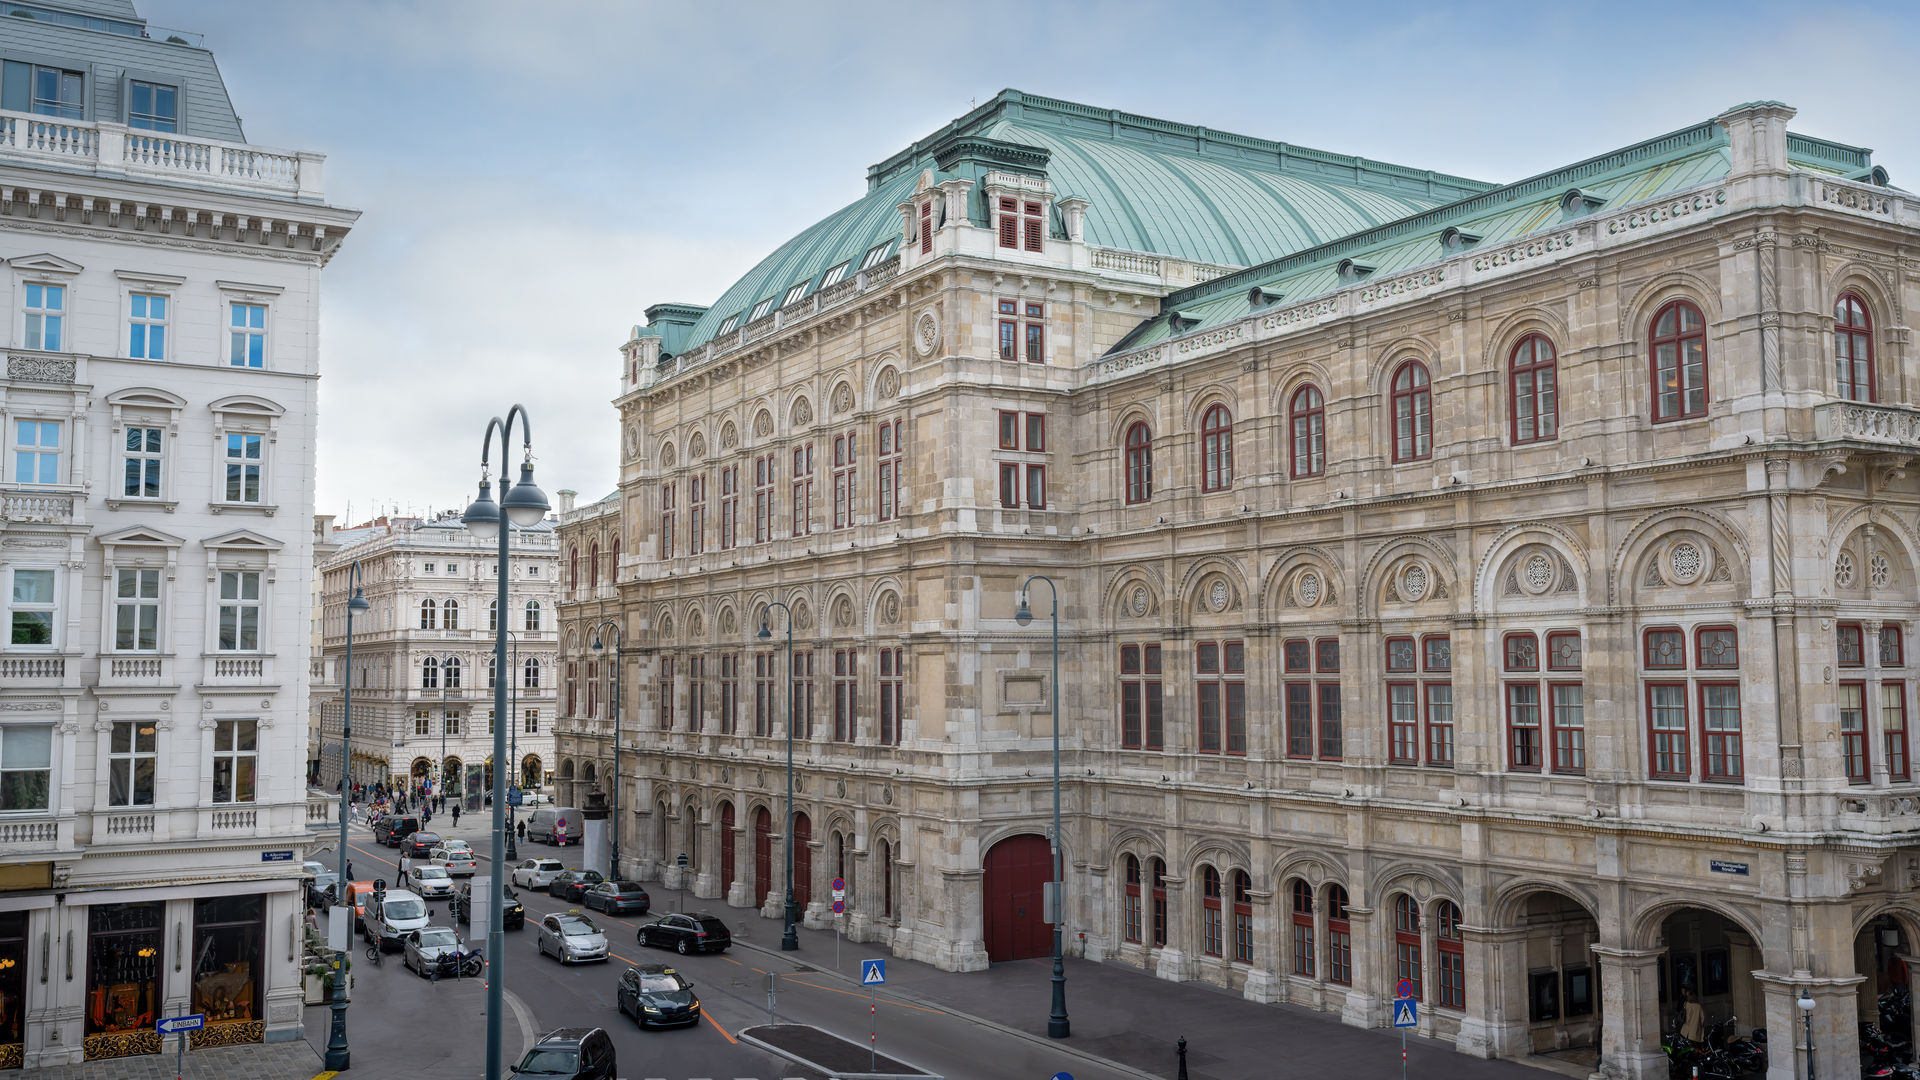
[525,503]
[359,602]
[1023,614]
[764,633]
[482,518]
[1805,1002]
[596,643]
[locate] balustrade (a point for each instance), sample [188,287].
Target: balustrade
[114,148]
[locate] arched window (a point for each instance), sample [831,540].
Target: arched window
[1339,937]
[1406,940]
[429,674]
[1534,386]
[1451,973]
[1853,348]
[493,616]
[450,615]
[613,564]
[1158,870]
[593,565]
[1216,448]
[1212,923]
[1242,917]
[453,672]
[533,615]
[1130,906]
[493,665]
[1303,950]
[886,880]
[530,674]
[573,568]
[1139,463]
[1412,413]
[427,612]
[1679,358]
[1307,419]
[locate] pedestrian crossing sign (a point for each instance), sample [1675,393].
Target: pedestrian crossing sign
[873,972]
[1406,1012]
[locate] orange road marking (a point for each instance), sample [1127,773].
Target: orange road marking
[851,993]
[731,960]
[718,1028]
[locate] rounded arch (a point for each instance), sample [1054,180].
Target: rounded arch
[696,447]
[1389,359]
[1510,542]
[840,604]
[729,435]
[1118,600]
[1652,528]
[1424,882]
[1509,902]
[1202,398]
[1373,578]
[1508,331]
[845,398]
[1636,316]
[566,770]
[1903,910]
[883,379]
[763,426]
[886,604]
[1293,378]
[1012,829]
[666,456]
[531,772]
[1883,304]
[1842,532]
[1313,867]
[800,411]
[590,773]
[1644,928]
[1277,589]
[1187,595]
[1223,855]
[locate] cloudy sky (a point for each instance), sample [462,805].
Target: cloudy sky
[535,174]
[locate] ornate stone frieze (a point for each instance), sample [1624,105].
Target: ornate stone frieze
[40,369]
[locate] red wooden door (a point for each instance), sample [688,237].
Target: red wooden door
[762,855]
[803,861]
[726,849]
[1017,871]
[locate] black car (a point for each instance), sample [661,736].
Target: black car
[574,883]
[420,845]
[571,1054]
[513,914]
[687,933]
[656,995]
[618,898]
[391,830]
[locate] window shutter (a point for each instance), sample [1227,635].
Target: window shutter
[926,228]
[1009,224]
[1033,220]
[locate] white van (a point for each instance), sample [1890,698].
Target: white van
[391,916]
[560,825]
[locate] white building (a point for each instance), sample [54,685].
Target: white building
[162,285]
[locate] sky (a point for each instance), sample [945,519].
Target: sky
[534,175]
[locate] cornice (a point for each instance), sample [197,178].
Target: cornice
[193,219]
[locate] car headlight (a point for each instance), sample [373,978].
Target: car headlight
[651,1009]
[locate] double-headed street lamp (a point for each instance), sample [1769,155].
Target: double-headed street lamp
[1057,1025]
[337,1056]
[614,707]
[789,939]
[523,505]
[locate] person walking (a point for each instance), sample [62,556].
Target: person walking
[522,827]
[1693,1020]
[456,815]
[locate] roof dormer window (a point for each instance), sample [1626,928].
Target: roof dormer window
[1020,224]
[727,324]
[760,309]
[874,255]
[794,294]
[834,275]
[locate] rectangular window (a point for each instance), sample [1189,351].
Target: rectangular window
[793,295]
[36,451]
[31,608]
[1666,650]
[1720,751]
[1849,640]
[141,456]
[664,695]
[1400,655]
[48,91]
[1523,726]
[532,722]
[147,327]
[1891,654]
[696,693]
[1403,723]
[1893,725]
[926,227]
[235,757]
[1009,223]
[453,724]
[1242,921]
[1329,714]
[892,461]
[243,468]
[1522,652]
[667,499]
[1299,719]
[1297,655]
[729,506]
[1009,430]
[1212,925]
[729,693]
[153,106]
[1036,487]
[247,336]
[1563,651]
[762,499]
[803,490]
[1036,432]
[1452,972]
[46,316]
[131,763]
[760,309]
[1339,952]
[893,696]
[1716,648]
[1303,951]
[845,684]
[874,255]
[26,766]
[763,668]
[136,610]
[1009,485]
[1667,723]
[240,612]
[1569,721]
[844,483]
[1141,706]
[422,722]
[834,274]
[1009,339]
[1326,655]
[1131,909]
[1220,675]
[803,694]
[1853,732]
[1440,723]
[696,513]
[1036,342]
[1031,222]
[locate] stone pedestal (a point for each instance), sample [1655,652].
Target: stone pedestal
[706,886]
[817,916]
[1836,1018]
[1630,1012]
[1171,965]
[1262,986]
[738,896]
[674,876]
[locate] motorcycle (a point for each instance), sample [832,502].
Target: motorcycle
[1687,1060]
[1745,1053]
[460,964]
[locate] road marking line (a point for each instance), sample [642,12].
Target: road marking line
[850,993]
[718,1028]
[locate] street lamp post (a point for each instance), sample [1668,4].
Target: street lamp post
[1806,1014]
[337,1057]
[443,724]
[523,505]
[513,754]
[614,706]
[1057,1024]
[789,938]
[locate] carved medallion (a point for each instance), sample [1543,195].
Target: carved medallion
[1413,583]
[889,385]
[1308,589]
[1138,603]
[763,424]
[1843,570]
[1878,570]
[926,333]
[802,413]
[1685,562]
[843,399]
[1537,574]
[890,609]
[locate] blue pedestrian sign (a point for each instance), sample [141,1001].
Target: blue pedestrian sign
[168,1025]
[515,796]
[1406,1012]
[1062,1076]
[873,972]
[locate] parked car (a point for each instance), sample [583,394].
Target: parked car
[320,887]
[387,918]
[687,933]
[538,873]
[656,995]
[420,845]
[425,947]
[571,939]
[570,1054]
[395,828]
[513,914]
[618,898]
[430,881]
[570,885]
[458,861]
[560,825]
[357,893]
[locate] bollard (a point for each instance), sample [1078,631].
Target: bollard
[1183,1057]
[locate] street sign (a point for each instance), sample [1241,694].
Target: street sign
[1055,1076]
[276,856]
[873,972]
[515,796]
[839,907]
[839,890]
[171,1024]
[1406,1012]
[1403,989]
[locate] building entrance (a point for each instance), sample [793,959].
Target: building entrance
[1017,870]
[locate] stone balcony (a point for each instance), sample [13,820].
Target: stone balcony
[40,672]
[36,836]
[138,672]
[30,506]
[118,151]
[237,670]
[1859,421]
[143,825]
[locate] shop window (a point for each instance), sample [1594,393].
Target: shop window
[125,961]
[228,965]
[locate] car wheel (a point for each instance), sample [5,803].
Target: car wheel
[682,947]
[644,943]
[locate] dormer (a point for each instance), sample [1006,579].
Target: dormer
[921,217]
[638,357]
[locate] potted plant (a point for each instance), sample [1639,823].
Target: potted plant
[318,982]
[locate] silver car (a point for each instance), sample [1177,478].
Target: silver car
[571,939]
[425,947]
[432,882]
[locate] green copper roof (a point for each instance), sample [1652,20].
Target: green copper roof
[1154,186]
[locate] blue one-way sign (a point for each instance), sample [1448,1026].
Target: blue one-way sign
[873,972]
[1406,1012]
[170,1024]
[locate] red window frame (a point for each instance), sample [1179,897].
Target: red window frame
[1130,908]
[1412,402]
[665,688]
[1212,918]
[803,694]
[1850,644]
[1721,748]
[666,521]
[729,693]
[926,227]
[1157,872]
[893,695]
[1009,485]
[1009,223]
[1299,711]
[1666,635]
[1304,953]
[1032,220]
[1216,446]
[1892,647]
[1307,421]
[1893,728]
[696,515]
[1668,754]
[1520,651]
[1339,937]
[1451,972]
[1036,487]
[1403,722]
[573,571]
[845,482]
[1533,391]
[1406,941]
[1402,655]
[1142,701]
[1669,333]
[1009,330]
[1853,732]
[573,686]
[763,499]
[1034,432]
[1716,648]
[763,696]
[1566,716]
[1009,423]
[1523,726]
[1853,349]
[1563,650]
[593,565]
[1139,463]
[1439,720]
[729,506]
[1242,917]
[803,490]
[1036,328]
[892,460]
[1220,669]
[1297,656]
[696,692]
[846,678]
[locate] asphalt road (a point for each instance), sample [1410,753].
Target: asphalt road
[733,991]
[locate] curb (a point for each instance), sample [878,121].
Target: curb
[824,1071]
[941,1006]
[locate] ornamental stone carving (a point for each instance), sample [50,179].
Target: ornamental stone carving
[1307,588]
[1879,570]
[1685,562]
[1220,595]
[1137,604]
[729,436]
[843,399]
[1413,583]
[926,333]
[890,609]
[888,385]
[40,369]
[763,424]
[1843,573]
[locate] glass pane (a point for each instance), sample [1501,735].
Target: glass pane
[245,732]
[33,586]
[26,746]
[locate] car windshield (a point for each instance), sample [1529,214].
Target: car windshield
[425,839]
[661,984]
[550,1062]
[438,935]
[457,845]
[405,908]
[577,926]
[713,926]
[628,887]
[427,872]
[591,875]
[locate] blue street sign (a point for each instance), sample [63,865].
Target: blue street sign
[839,907]
[873,972]
[170,1024]
[1062,1076]
[515,796]
[1406,1012]
[276,856]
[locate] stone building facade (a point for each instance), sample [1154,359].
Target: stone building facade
[423,663]
[589,543]
[1514,594]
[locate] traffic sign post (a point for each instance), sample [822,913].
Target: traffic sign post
[1406,1014]
[839,909]
[873,973]
[180,1025]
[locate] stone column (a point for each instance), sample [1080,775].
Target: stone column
[1630,1013]
[863,894]
[776,904]
[741,894]
[1362,1007]
[1496,993]
[1836,1036]
[1263,982]
[672,874]
[1170,962]
[818,914]
[706,882]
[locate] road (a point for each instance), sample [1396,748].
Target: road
[448,1039]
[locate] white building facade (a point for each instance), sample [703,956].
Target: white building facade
[162,283]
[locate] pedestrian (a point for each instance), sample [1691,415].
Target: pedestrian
[1693,1019]
[456,815]
[426,816]
[523,830]
[406,864]
[349,869]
